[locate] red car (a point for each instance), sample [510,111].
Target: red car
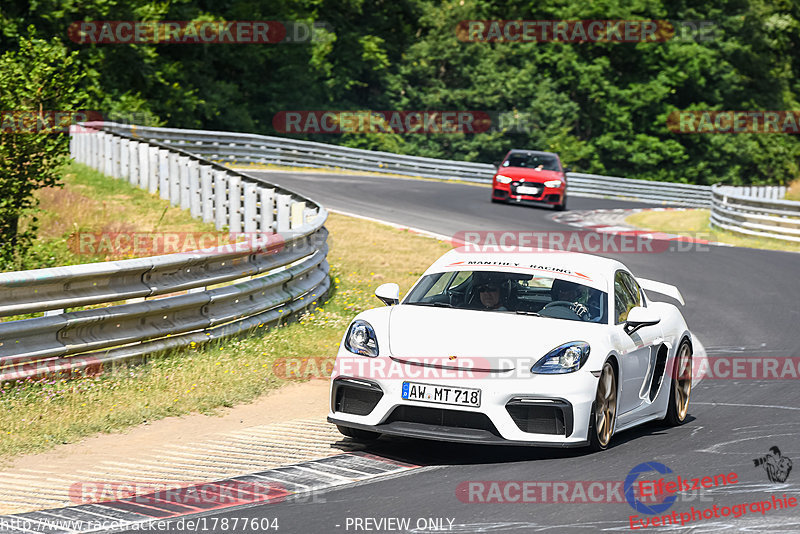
[530,177]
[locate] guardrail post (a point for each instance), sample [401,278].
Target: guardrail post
[144,166]
[297,214]
[108,153]
[90,160]
[163,173]
[194,188]
[116,171]
[133,162]
[153,159]
[250,208]
[206,195]
[267,201]
[124,156]
[174,178]
[282,204]
[235,204]
[183,171]
[220,199]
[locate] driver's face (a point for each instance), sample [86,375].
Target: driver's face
[490,297]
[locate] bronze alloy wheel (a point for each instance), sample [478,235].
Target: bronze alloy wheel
[605,411]
[679,393]
[682,384]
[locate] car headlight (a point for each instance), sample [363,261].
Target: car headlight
[553,183]
[565,358]
[503,179]
[361,339]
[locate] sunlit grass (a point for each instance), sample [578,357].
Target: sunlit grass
[793,192]
[35,416]
[695,223]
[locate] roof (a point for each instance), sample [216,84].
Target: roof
[593,271]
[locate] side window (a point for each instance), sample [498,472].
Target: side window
[439,286]
[626,295]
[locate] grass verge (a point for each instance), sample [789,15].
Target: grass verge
[91,202]
[793,192]
[37,415]
[695,223]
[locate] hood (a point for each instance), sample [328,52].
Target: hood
[478,339]
[529,175]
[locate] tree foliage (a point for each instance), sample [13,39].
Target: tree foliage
[39,88]
[603,106]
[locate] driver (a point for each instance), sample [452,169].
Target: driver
[573,293]
[488,290]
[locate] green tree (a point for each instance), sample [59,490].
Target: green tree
[39,81]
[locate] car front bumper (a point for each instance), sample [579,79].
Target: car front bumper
[549,196]
[540,410]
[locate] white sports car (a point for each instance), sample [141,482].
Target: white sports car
[523,348]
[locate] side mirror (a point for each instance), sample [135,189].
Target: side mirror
[389,293]
[567,169]
[638,317]
[498,164]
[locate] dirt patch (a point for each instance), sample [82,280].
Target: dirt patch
[294,401]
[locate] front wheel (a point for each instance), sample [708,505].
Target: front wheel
[363,436]
[562,206]
[604,410]
[681,388]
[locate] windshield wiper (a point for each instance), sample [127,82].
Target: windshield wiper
[435,304]
[526,312]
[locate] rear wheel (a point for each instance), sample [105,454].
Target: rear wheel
[357,434]
[681,388]
[604,411]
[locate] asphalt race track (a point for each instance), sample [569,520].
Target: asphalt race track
[738,302]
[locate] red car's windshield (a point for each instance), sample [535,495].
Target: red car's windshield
[533,161]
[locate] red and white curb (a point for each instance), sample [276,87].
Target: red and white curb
[291,482]
[612,221]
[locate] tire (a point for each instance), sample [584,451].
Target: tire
[603,418]
[495,201]
[680,387]
[562,206]
[363,436]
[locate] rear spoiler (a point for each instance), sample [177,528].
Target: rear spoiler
[663,289]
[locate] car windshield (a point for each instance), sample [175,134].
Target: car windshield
[511,293]
[532,161]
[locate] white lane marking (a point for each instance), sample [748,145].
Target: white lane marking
[746,405]
[714,448]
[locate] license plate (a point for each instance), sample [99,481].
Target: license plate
[525,190]
[441,394]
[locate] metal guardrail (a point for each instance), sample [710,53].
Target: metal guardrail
[172,300]
[736,210]
[243,149]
